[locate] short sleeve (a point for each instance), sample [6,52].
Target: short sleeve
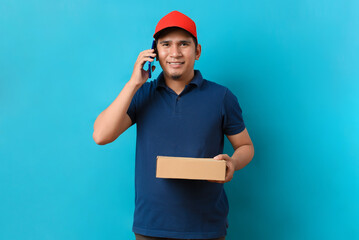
[131,111]
[232,120]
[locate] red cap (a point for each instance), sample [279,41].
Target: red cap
[177,19]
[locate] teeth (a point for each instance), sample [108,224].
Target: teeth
[176,63]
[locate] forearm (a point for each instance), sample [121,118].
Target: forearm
[110,123]
[242,156]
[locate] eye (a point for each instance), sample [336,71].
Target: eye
[184,44]
[165,44]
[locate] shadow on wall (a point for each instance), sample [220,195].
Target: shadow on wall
[257,207]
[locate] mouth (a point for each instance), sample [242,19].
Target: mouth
[175,64]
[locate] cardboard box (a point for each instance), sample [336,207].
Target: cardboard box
[191,168]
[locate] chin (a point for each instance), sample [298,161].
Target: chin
[176,76]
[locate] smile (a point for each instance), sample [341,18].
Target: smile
[175,64]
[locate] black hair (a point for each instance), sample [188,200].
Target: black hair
[167,30]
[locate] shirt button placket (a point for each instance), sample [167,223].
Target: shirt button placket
[177,108]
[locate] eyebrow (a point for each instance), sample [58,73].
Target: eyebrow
[168,41]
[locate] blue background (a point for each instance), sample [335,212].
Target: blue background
[292,64]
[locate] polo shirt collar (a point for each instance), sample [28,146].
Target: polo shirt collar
[196,81]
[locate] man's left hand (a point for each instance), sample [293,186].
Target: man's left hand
[229,170]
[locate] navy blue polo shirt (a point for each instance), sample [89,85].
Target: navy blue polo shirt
[191,124]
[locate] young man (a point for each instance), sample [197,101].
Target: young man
[178,114]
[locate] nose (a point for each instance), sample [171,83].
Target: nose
[175,51]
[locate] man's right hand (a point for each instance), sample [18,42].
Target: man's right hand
[140,76]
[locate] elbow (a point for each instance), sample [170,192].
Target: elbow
[252,152]
[98,140]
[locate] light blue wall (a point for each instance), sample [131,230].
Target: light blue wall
[293,65]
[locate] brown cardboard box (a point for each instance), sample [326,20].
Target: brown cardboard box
[191,168]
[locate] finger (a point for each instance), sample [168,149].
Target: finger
[218,157]
[150,55]
[229,174]
[149,51]
[148,59]
[228,178]
[153,68]
[145,53]
[144,60]
[221,157]
[215,181]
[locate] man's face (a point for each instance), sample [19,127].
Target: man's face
[177,54]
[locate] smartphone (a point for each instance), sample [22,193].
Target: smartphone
[151,63]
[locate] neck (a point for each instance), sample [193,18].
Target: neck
[179,84]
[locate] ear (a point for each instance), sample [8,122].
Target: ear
[198,51]
[156,53]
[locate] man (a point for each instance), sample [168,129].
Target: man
[178,114]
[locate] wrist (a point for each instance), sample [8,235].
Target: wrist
[133,84]
[234,163]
